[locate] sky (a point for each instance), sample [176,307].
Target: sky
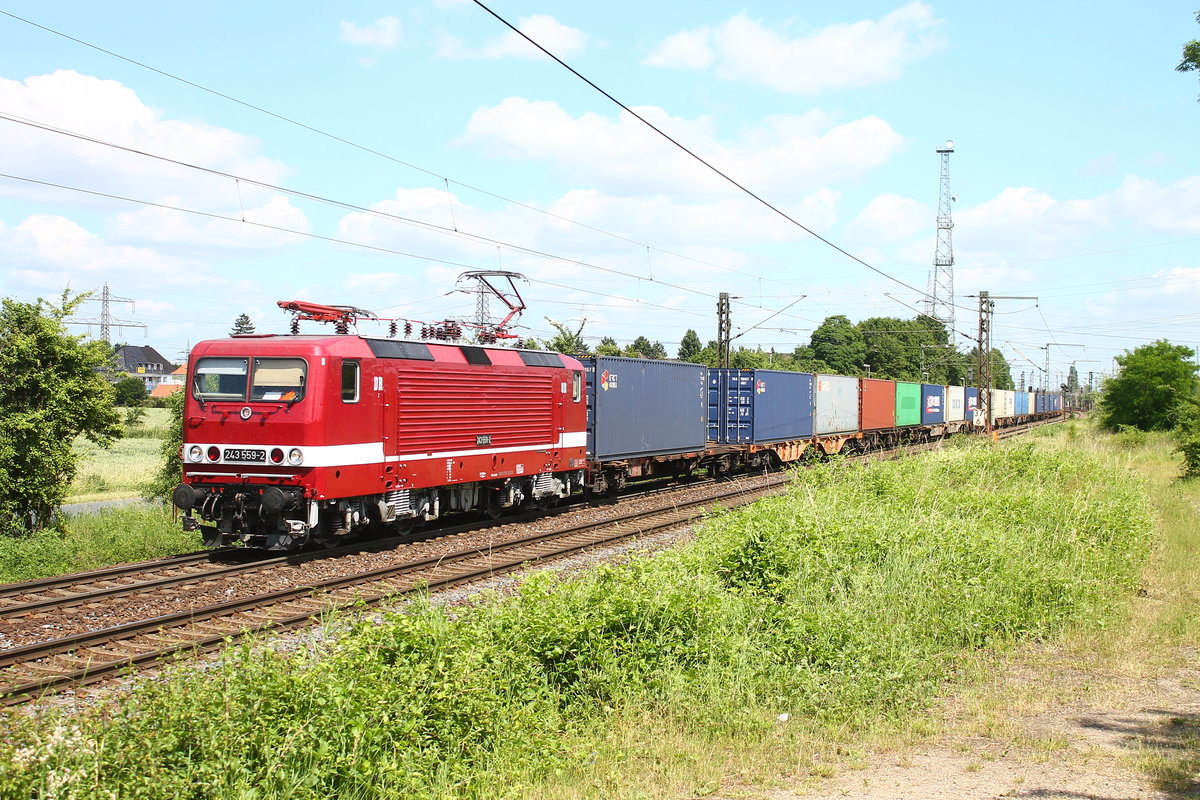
[206,160]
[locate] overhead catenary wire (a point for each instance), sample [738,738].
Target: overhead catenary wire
[378,153]
[697,157]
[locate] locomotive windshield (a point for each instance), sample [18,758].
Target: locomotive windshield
[230,378]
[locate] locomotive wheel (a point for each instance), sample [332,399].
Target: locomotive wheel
[401,527]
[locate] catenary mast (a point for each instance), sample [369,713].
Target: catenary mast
[940,302]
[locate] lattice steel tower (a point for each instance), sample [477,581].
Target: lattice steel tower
[940,302]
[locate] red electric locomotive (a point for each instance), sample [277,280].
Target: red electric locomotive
[296,439]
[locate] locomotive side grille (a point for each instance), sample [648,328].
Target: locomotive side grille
[439,411]
[398,500]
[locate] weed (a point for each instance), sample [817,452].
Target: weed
[92,541]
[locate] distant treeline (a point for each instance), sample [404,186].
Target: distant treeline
[884,347]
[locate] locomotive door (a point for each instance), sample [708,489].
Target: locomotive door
[387,391]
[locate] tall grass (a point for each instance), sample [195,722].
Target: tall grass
[124,468]
[92,541]
[850,600]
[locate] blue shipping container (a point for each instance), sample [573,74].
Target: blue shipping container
[759,406]
[1022,403]
[638,407]
[730,405]
[1041,402]
[933,404]
[972,401]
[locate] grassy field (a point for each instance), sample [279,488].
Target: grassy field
[91,541]
[789,633]
[124,468]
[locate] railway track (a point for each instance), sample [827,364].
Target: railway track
[82,588]
[38,668]
[33,670]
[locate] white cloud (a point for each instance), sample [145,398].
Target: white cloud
[839,56]
[260,231]
[890,219]
[1173,208]
[794,154]
[110,112]
[46,252]
[683,50]
[382,34]
[561,40]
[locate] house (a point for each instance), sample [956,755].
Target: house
[145,363]
[171,384]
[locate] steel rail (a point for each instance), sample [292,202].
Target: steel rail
[577,538]
[442,571]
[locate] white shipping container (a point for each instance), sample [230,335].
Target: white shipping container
[955,403]
[835,404]
[1004,403]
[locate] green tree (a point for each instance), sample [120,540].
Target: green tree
[130,391]
[52,390]
[803,360]
[689,346]
[566,340]
[242,325]
[608,347]
[1155,382]
[644,348]
[748,358]
[839,344]
[170,472]
[1001,371]
[1191,55]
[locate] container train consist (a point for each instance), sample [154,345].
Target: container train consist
[298,440]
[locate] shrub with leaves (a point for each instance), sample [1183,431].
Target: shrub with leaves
[52,390]
[1187,438]
[171,471]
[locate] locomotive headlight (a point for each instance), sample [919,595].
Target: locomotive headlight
[195,453]
[295,457]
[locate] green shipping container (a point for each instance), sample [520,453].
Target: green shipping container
[908,404]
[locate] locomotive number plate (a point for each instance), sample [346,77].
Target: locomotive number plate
[243,454]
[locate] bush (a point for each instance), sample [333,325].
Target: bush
[1187,438]
[51,391]
[1130,437]
[130,391]
[171,470]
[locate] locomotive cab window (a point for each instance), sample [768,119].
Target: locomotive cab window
[220,379]
[278,379]
[576,386]
[350,372]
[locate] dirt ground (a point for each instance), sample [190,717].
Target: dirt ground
[1111,734]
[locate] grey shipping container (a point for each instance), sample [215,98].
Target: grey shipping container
[638,407]
[835,404]
[759,406]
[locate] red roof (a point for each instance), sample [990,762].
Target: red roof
[166,389]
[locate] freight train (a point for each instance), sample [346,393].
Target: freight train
[292,440]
